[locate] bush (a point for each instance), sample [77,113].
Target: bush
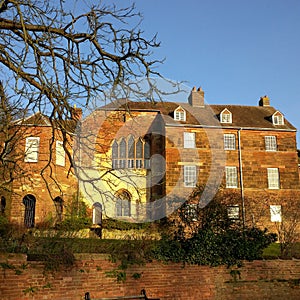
[213,240]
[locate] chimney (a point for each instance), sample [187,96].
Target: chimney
[264,101]
[76,113]
[196,97]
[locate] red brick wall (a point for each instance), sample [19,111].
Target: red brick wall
[273,279]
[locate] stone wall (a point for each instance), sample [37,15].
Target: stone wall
[265,279]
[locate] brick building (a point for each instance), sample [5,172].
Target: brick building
[151,157]
[139,161]
[36,178]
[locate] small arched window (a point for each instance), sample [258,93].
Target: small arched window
[131,152]
[29,215]
[122,160]
[115,155]
[139,154]
[123,204]
[147,155]
[97,213]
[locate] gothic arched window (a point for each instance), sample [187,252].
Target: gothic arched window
[131,153]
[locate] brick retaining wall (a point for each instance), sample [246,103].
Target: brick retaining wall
[265,279]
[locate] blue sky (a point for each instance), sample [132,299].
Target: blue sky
[237,50]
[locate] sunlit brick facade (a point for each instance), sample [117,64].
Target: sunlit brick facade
[139,161]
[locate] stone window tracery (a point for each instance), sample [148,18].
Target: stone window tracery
[131,153]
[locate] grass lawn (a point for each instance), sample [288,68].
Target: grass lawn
[273,251]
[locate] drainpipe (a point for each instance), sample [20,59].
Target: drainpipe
[241,176]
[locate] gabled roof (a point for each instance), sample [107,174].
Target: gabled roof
[39,119]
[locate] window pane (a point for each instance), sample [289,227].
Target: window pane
[275,211]
[60,153]
[179,114]
[273,178]
[115,150]
[32,149]
[123,204]
[270,143]
[190,176]
[189,140]
[123,148]
[139,149]
[147,150]
[231,177]
[229,142]
[131,147]
[233,212]
[226,117]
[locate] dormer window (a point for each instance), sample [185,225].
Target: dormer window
[277,118]
[226,116]
[179,114]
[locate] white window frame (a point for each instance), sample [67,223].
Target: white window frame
[233,212]
[277,118]
[229,141]
[273,178]
[270,143]
[275,212]
[60,154]
[31,150]
[179,114]
[226,116]
[231,177]
[189,140]
[190,176]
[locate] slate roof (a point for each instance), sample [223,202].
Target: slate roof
[259,117]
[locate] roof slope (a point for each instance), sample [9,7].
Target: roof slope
[242,116]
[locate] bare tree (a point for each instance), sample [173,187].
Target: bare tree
[53,56]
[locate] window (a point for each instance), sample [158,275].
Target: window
[278,118]
[29,214]
[123,202]
[226,116]
[130,157]
[233,212]
[32,149]
[122,154]
[190,176]
[275,211]
[191,212]
[60,154]
[273,178]
[229,142]
[130,153]
[97,213]
[115,155]
[270,143]
[179,114]
[231,177]
[189,140]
